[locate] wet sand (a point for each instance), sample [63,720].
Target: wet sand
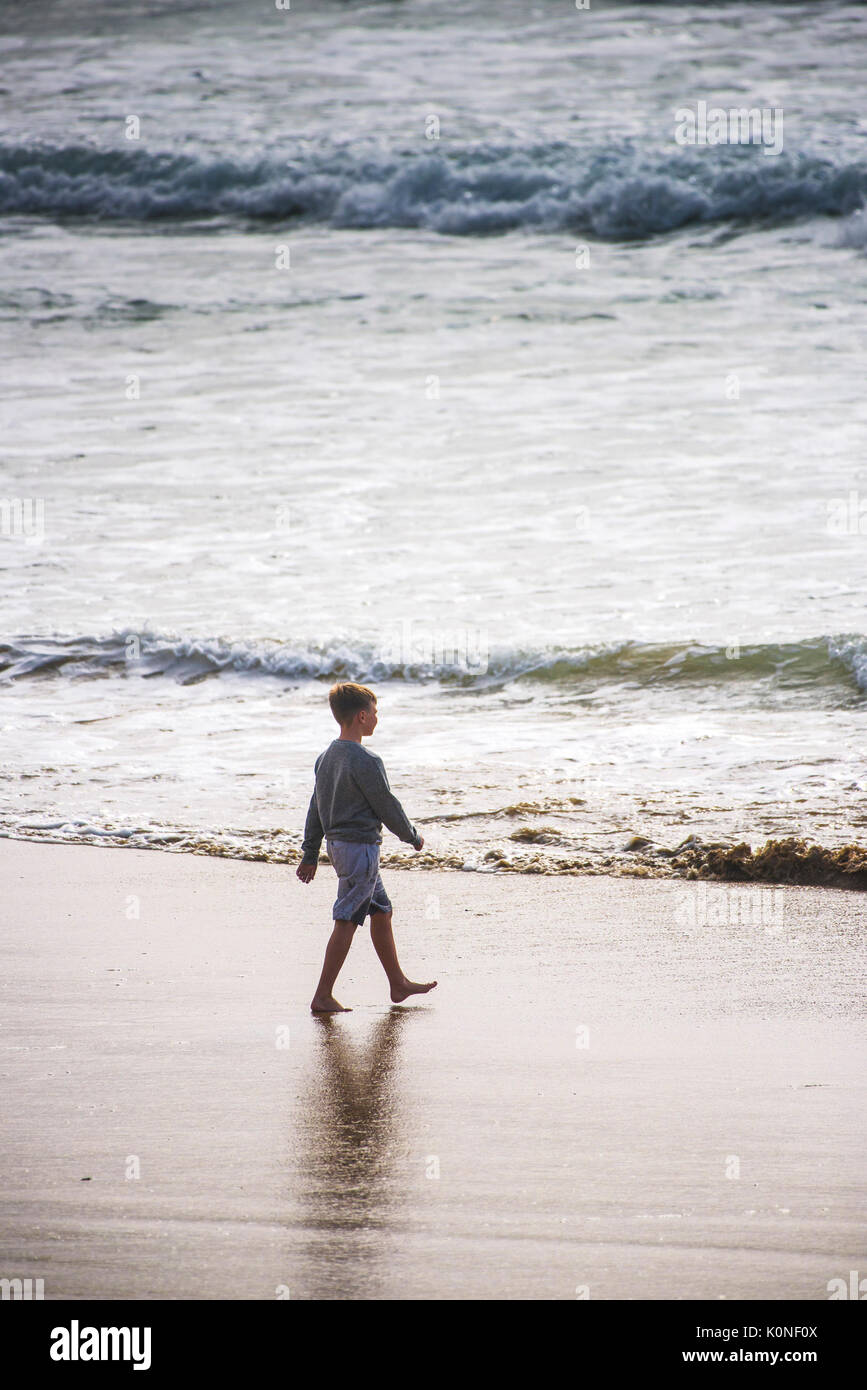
[620,1089]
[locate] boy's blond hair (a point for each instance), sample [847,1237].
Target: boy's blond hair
[346,699]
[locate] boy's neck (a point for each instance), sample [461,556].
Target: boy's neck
[347,735]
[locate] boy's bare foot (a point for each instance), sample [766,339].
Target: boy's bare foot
[401,992]
[328,1005]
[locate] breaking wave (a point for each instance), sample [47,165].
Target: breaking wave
[612,193]
[827,662]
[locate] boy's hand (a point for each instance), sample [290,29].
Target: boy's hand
[306,871]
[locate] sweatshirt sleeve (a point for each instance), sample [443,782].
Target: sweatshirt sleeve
[371,777]
[312,834]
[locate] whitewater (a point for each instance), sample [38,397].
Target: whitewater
[327,357]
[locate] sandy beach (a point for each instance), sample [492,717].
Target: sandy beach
[618,1090]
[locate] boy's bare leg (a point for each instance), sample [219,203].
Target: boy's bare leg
[383,940]
[335,954]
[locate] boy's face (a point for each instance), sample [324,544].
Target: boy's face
[368,719]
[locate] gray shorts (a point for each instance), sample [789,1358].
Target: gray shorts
[359,890]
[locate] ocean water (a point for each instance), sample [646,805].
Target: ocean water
[406,343]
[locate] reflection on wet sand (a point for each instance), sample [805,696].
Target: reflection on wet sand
[350,1156]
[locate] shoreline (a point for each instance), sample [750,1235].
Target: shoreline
[786,862]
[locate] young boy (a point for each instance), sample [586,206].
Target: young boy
[350,803]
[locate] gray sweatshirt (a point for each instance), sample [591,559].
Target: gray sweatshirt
[352,800]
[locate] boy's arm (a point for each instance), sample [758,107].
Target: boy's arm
[313,833]
[372,780]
